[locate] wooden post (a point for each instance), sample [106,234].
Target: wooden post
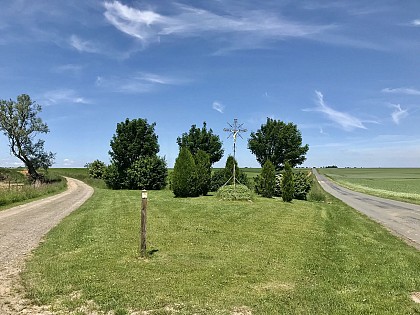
[143,223]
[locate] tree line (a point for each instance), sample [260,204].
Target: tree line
[135,163]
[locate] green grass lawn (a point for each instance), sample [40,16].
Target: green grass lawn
[395,183]
[215,257]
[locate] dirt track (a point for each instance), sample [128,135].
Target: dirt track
[401,218]
[21,229]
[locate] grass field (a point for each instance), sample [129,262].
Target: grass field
[214,257]
[395,183]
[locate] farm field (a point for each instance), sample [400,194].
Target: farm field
[213,257]
[395,183]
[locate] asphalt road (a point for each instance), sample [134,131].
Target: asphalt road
[21,230]
[401,218]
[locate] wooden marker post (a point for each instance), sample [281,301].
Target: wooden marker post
[143,223]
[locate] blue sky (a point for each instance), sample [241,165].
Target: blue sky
[346,72]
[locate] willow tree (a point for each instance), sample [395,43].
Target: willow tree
[20,123]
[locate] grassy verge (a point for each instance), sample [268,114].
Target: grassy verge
[80,174]
[219,257]
[20,192]
[392,183]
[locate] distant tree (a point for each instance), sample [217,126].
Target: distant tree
[202,139]
[134,149]
[287,183]
[184,175]
[278,142]
[96,169]
[267,180]
[19,121]
[203,169]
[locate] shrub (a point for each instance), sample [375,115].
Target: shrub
[184,176]
[203,168]
[267,180]
[114,178]
[229,192]
[287,184]
[277,188]
[96,169]
[302,185]
[147,173]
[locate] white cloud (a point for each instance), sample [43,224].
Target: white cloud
[415,22]
[83,45]
[72,68]
[140,82]
[403,90]
[398,114]
[256,26]
[218,106]
[63,96]
[345,120]
[68,162]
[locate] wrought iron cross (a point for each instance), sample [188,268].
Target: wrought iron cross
[235,131]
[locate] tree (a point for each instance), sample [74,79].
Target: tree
[202,139]
[184,176]
[203,169]
[287,184]
[278,142]
[267,180]
[134,160]
[133,139]
[19,121]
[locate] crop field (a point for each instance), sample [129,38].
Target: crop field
[396,183]
[208,256]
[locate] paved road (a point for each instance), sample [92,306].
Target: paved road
[400,218]
[21,229]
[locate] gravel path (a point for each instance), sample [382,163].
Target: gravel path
[401,218]
[21,230]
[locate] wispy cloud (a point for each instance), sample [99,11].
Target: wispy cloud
[256,26]
[139,82]
[345,120]
[83,45]
[403,90]
[398,113]
[70,68]
[218,106]
[415,22]
[63,96]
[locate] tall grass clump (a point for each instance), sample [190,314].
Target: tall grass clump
[237,192]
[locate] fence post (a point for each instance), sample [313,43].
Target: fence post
[143,223]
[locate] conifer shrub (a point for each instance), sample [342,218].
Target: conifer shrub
[302,185]
[267,180]
[225,176]
[203,168]
[287,183]
[184,177]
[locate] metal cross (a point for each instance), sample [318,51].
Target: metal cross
[234,130]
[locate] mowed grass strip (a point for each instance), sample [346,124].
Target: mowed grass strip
[395,183]
[218,257]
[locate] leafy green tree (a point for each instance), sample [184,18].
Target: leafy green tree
[203,168]
[267,179]
[133,139]
[202,139]
[96,169]
[134,149]
[278,142]
[287,183]
[19,121]
[184,176]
